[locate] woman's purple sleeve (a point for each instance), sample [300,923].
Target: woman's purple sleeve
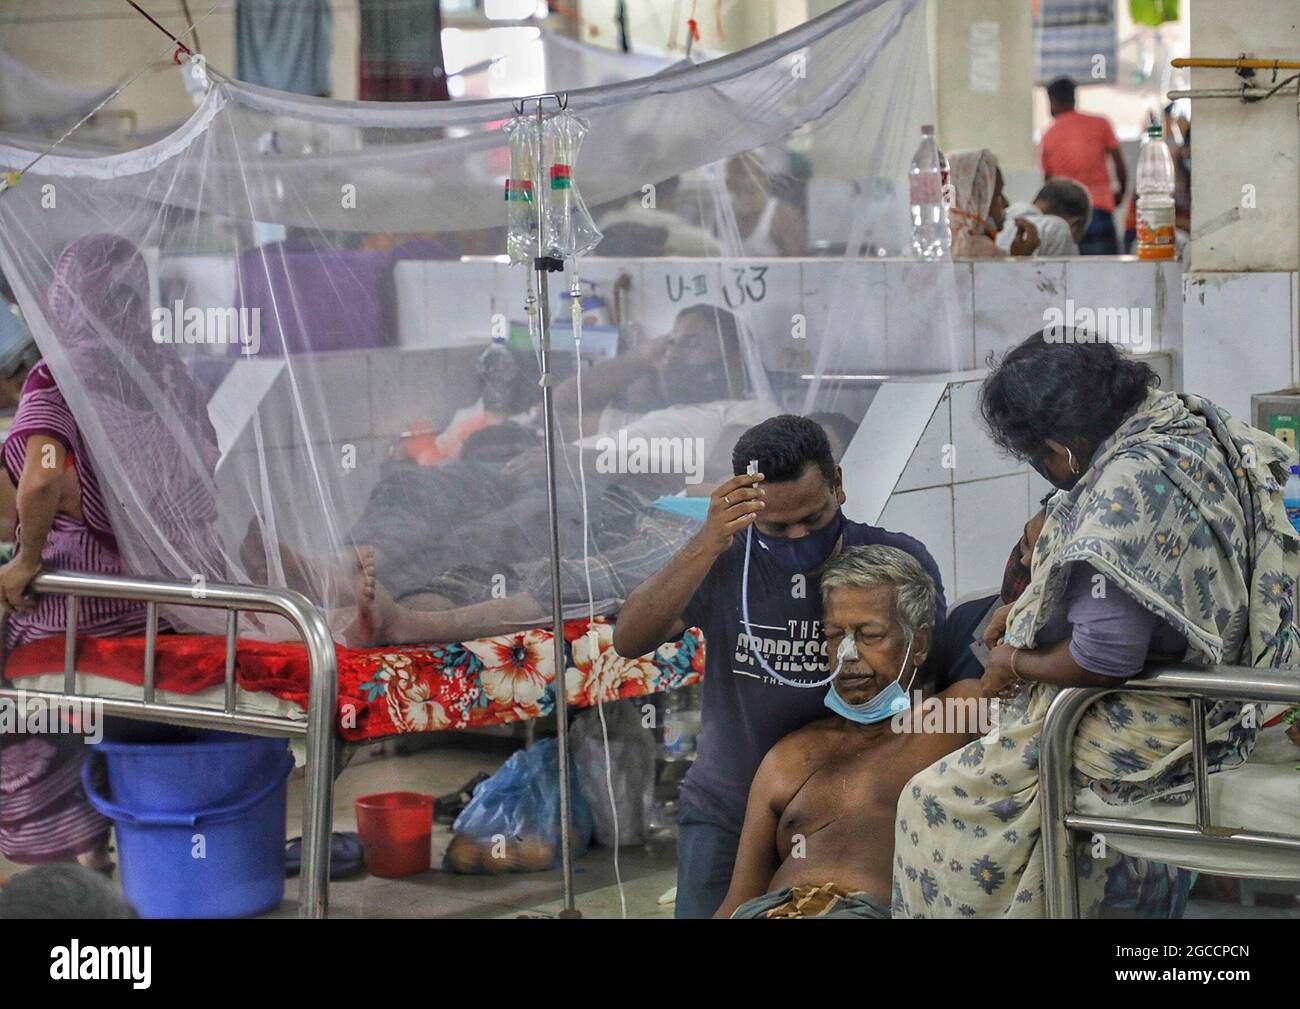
[1111,633]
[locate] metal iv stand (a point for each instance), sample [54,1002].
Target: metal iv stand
[543,266]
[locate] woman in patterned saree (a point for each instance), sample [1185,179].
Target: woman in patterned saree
[1166,539]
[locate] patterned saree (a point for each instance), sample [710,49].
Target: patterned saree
[1181,508]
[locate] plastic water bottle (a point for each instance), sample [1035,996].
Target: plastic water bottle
[1155,198]
[931,238]
[1291,495]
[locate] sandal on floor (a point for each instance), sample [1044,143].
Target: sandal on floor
[345,856]
[447,807]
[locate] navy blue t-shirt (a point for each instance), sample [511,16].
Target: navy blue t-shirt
[746,711]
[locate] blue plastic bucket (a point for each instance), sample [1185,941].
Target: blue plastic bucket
[186,769]
[214,860]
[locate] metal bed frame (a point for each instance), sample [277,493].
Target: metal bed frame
[1200,684]
[318,730]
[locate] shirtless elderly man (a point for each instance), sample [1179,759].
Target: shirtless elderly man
[819,827]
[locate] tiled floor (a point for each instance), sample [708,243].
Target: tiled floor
[647,872]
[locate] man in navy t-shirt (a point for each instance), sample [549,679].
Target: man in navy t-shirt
[793,505]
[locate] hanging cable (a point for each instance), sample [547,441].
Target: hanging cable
[575,309]
[189,20]
[10,179]
[181,47]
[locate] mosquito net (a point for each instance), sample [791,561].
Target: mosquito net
[292,333]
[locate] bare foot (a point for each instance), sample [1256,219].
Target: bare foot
[377,611]
[97,859]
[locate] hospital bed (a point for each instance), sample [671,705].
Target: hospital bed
[327,696]
[1245,820]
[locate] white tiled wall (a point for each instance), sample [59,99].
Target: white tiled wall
[1012,299]
[891,316]
[1240,336]
[878,315]
[977,458]
[960,495]
[986,524]
[926,467]
[927,315]
[928,515]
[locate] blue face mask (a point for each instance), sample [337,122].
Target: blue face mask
[886,704]
[807,553]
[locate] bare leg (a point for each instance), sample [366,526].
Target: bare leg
[383,620]
[428,602]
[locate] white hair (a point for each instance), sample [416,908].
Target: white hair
[863,567]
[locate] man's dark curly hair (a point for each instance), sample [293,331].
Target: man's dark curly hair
[1070,388]
[784,446]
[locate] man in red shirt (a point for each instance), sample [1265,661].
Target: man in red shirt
[1078,146]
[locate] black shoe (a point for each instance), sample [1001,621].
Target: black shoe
[447,807]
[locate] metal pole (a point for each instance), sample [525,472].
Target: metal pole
[541,267]
[318,780]
[1200,764]
[1056,795]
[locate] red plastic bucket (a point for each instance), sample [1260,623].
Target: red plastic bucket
[396,831]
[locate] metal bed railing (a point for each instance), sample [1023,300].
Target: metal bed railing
[318,730]
[1199,684]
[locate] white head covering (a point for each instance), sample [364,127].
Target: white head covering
[1054,238]
[973,175]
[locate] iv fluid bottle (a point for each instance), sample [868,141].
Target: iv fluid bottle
[1155,198]
[1291,496]
[931,238]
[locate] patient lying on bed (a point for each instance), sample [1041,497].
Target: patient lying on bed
[461,549]
[819,828]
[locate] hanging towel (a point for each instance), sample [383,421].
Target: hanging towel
[284,44]
[1070,35]
[401,51]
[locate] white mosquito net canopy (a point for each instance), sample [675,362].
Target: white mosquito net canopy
[290,330]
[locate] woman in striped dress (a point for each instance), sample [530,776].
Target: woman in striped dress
[61,524]
[97,306]
[62,520]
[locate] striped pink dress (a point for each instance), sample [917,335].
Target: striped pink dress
[84,544]
[44,815]
[97,305]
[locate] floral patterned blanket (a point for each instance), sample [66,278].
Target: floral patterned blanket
[400,688]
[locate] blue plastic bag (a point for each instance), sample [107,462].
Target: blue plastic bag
[512,824]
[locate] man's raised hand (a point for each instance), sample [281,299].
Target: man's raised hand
[733,506]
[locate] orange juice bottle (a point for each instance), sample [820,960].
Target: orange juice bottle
[1155,198]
